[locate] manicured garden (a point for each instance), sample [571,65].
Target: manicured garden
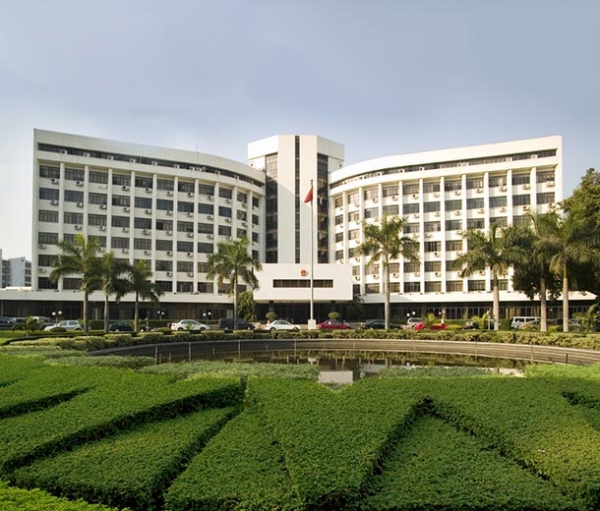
[185,437]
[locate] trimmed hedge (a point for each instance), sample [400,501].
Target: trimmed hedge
[129,469]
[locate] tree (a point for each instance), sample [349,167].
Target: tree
[384,243]
[247,306]
[588,318]
[491,250]
[232,262]
[538,246]
[139,275]
[79,258]
[113,280]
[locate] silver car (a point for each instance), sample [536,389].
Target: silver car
[189,324]
[67,324]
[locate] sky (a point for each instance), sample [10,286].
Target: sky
[382,77]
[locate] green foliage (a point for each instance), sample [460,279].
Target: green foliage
[589,318]
[271,316]
[334,315]
[17,499]
[247,306]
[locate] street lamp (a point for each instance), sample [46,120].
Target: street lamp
[56,316]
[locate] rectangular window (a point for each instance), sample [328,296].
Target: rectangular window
[242,197]
[49,194]
[241,215]
[205,228]
[545,176]
[390,191]
[454,205]
[185,187]
[371,213]
[475,223]
[164,225]
[225,193]
[339,255]
[391,210]
[545,198]
[163,265]
[410,189]
[433,286]
[498,202]
[411,209]
[521,179]
[433,266]
[433,226]
[496,181]
[121,180]
[74,174]
[185,246]
[73,196]
[499,220]
[476,285]
[338,202]
[164,245]
[431,187]
[185,207]
[453,225]
[353,198]
[204,189]
[452,185]
[120,221]
[185,226]
[165,184]
[371,194]
[411,267]
[121,200]
[454,286]
[48,238]
[119,243]
[164,205]
[474,183]
[453,245]
[142,244]
[98,177]
[371,289]
[48,216]
[97,198]
[185,266]
[73,218]
[224,211]
[50,173]
[476,203]
[143,182]
[431,207]
[97,220]
[143,202]
[339,236]
[412,228]
[205,248]
[521,200]
[433,246]
[224,230]
[412,287]
[206,209]
[142,223]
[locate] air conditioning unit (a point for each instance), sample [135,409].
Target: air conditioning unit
[526,187]
[169,253]
[190,234]
[357,258]
[244,205]
[191,168]
[147,252]
[457,192]
[457,213]
[169,233]
[417,274]
[170,193]
[190,214]
[436,254]
[376,276]
[101,249]
[189,254]
[102,227]
[428,235]
[356,277]
[421,168]
[146,232]
[210,197]
[148,190]
[437,213]
[169,213]
[533,156]
[481,210]
[125,229]
[415,195]
[244,224]
[550,184]
[551,205]
[154,163]
[54,181]
[459,253]
[190,273]
[125,188]
[103,206]
[438,274]
[41,270]
[503,188]
[148,211]
[416,215]
[357,204]
[210,236]
[526,208]
[210,217]
[64,151]
[481,272]
[125,250]
[176,166]
[54,202]
[376,219]
[479,190]
[132,160]
[228,220]
[169,274]
[41,246]
[126,209]
[78,227]
[396,275]
[375,199]
[110,157]
[79,183]
[502,209]
[190,194]
[395,197]
[436,194]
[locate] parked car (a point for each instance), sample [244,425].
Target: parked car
[281,324]
[189,324]
[379,324]
[6,323]
[517,321]
[412,322]
[229,324]
[533,324]
[120,326]
[437,326]
[334,324]
[67,324]
[574,325]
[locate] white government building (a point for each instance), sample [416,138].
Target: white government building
[171,207]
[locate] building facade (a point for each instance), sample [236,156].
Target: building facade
[171,208]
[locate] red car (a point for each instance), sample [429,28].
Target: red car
[334,324]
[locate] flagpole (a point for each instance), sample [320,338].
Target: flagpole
[312,262]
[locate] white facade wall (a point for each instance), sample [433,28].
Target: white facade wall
[490,182]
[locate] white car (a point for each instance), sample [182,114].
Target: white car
[281,324]
[67,324]
[189,324]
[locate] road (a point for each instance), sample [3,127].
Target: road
[234,348]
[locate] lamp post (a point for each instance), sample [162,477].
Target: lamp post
[56,316]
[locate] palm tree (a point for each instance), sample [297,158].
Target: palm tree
[492,251]
[79,258]
[113,280]
[385,243]
[232,262]
[140,284]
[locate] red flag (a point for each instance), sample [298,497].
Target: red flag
[309,196]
